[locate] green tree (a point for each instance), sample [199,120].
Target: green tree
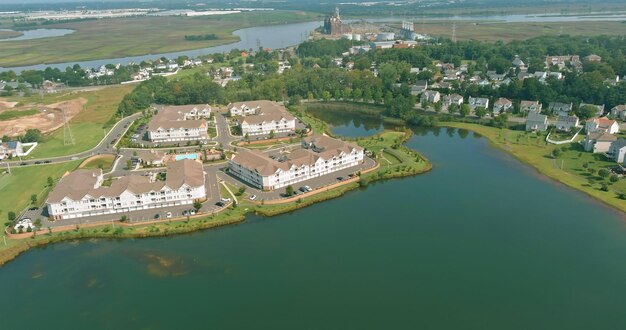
[272,134]
[614,178]
[289,190]
[11,215]
[481,112]
[50,181]
[465,110]
[197,205]
[604,173]
[586,111]
[33,199]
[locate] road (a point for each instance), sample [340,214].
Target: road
[104,147]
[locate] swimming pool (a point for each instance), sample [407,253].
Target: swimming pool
[186,156]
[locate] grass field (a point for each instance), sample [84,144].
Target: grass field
[105,162]
[567,168]
[494,31]
[9,34]
[12,114]
[17,187]
[120,37]
[88,127]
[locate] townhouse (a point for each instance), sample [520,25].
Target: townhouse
[262,117]
[179,123]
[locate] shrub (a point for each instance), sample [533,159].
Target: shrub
[11,215]
[604,187]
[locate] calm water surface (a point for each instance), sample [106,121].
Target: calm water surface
[480,242]
[38,34]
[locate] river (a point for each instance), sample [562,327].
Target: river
[280,36]
[480,242]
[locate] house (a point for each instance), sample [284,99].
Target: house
[536,122]
[262,117]
[11,149]
[502,105]
[475,102]
[493,76]
[318,155]
[566,123]
[517,62]
[560,109]
[619,112]
[562,61]
[81,193]
[419,87]
[617,150]
[598,142]
[431,97]
[602,124]
[449,100]
[599,107]
[593,58]
[530,106]
[179,123]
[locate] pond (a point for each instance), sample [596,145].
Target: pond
[38,34]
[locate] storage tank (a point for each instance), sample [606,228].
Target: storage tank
[356,37]
[347,36]
[387,36]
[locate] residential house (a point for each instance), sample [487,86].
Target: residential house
[593,58]
[598,142]
[419,87]
[493,76]
[617,150]
[566,123]
[560,109]
[11,149]
[562,61]
[319,155]
[517,62]
[449,100]
[431,97]
[81,194]
[536,122]
[619,112]
[602,124]
[179,123]
[475,102]
[530,106]
[262,117]
[502,105]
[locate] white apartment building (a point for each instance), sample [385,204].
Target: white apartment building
[81,194]
[262,117]
[180,123]
[319,155]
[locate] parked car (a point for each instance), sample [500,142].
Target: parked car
[225,199]
[48,161]
[168,215]
[307,188]
[22,164]
[252,197]
[157,216]
[220,204]
[351,175]
[38,162]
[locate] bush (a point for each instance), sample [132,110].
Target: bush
[604,187]
[11,215]
[614,178]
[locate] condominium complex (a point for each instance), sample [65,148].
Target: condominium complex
[262,117]
[81,193]
[317,156]
[179,123]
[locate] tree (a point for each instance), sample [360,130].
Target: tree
[586,111]
[50,181]
[438,107]
[33,199]
[614,178]
[197,205]
[556,152]
[481,112]
[289,190]
[453,108]
[272,134]
[604,173]
[11,215]
[123,218]
[32,135]
[129,164]
[465,110]
[604,187]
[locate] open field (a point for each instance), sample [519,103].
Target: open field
[17,187]
[13,114]
[493,31]
[567,168]
[88,126]
[104,162]
[110,38]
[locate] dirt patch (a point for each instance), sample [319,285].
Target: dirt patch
[49,118]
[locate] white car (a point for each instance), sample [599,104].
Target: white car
[168,215]
[252,197]
[225,199]
[307,188]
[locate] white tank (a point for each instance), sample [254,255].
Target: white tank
[356,37]
[347,36]
[387,36]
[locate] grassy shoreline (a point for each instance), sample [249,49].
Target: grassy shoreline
[535,157]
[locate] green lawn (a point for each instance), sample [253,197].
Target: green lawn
[121,37]
[105,162]
[88,127]
[12,114]
[17,187]
[567,168]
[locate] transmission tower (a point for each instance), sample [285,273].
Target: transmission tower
[454,32]
[68,138]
